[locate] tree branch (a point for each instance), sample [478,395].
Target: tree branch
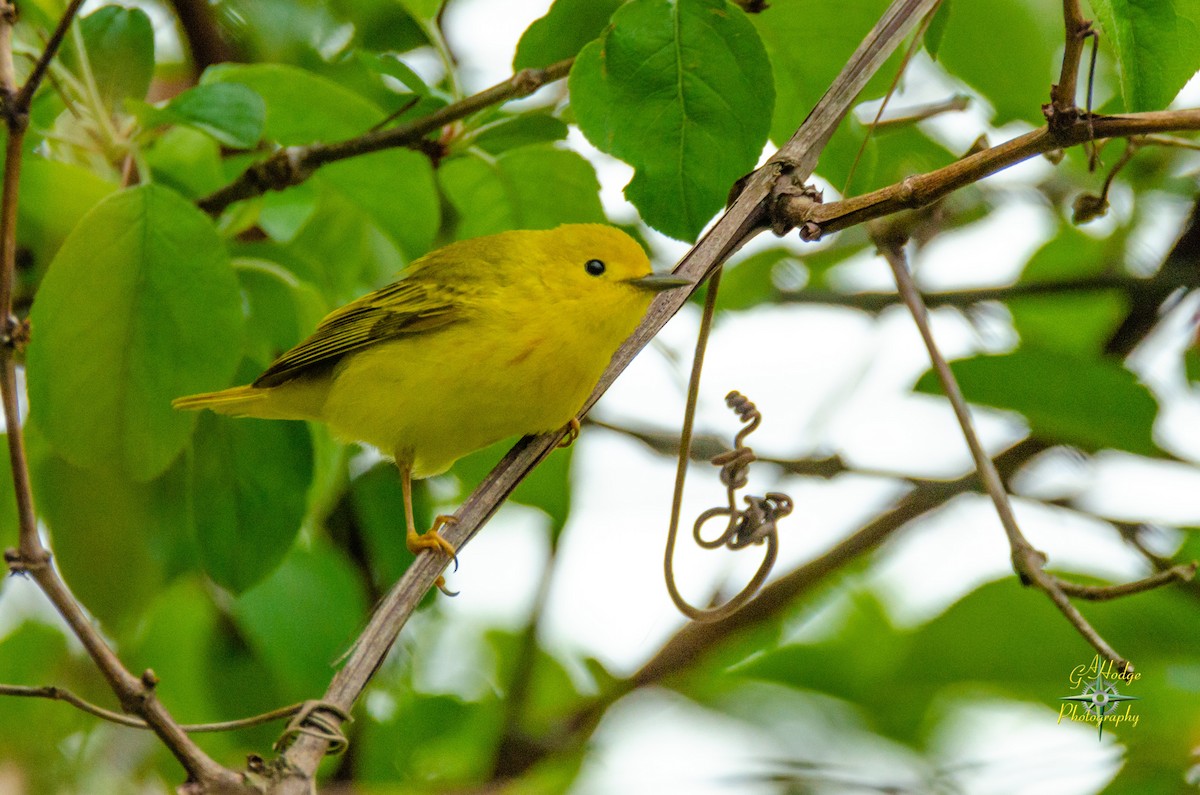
[135,693]
[815,220]
[295,164]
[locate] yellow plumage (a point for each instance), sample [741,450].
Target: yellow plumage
[480,340]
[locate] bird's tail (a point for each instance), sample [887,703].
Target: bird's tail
[240,401]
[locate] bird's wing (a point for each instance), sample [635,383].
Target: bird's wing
[409,306]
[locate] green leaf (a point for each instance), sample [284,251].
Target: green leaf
[388,64]
[748,283]
[9,529]
[801,74]
[116,540]
[251,480]
[54,197]
[424,10]
[511,132]
[1016,77]
[231,113]
[562,32]
[120,52]
[395,188]
[139,307]
[937,28]
[1157,46]
[283,309]
[682,92]
[303,617]
[1075,323]
[186,160]
[1071,254]
[1066,399]
[534,187]
[1191,365]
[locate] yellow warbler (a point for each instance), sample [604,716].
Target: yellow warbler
[480,340]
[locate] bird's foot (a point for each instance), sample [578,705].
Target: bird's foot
[572,433]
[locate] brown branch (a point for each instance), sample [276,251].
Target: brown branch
[205,39]
[1028,562]
[744,218]
[1062,112]
[135,693]
[907,117]
[295,164]
[921,190]
[1183,572]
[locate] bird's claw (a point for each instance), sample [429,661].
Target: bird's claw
[572,433]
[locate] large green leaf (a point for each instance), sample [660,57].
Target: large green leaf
[140,306]
[801,74]
[1157,46]
[683,92]
[1016,77]
[251,480]
[533,187]
[303,617]
[231,113]
[1092,404]
[562,32]
[120,53]
[115,540]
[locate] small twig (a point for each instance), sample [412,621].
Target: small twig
[1028,562]
[295,164]
[62,694]
[1183,572]
[1061,113]
[1089,206]
[34,81]
[910,116]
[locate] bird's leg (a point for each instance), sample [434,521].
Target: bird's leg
[419,542]
[572,433]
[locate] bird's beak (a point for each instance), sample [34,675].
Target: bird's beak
[658,282]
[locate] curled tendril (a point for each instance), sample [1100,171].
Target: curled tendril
[755,524]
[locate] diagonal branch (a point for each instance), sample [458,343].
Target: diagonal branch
[295,164]
[1028,562]
[744,218]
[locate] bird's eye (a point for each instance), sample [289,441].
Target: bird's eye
[594,267]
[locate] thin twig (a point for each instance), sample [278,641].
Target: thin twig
[34,81]
[906,117]
[66,696]
[744,218]
[295,164]
[1183,572]
[1028,562]
[1062,112]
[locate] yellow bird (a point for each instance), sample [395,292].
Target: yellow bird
[483,339]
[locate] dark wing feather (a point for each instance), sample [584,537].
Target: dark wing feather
[409,306]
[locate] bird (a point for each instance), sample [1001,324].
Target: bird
[477,341]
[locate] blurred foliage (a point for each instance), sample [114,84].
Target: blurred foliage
[239,558]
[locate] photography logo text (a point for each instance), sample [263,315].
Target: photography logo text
[1098,699]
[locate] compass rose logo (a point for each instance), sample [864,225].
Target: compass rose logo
[1098,700]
